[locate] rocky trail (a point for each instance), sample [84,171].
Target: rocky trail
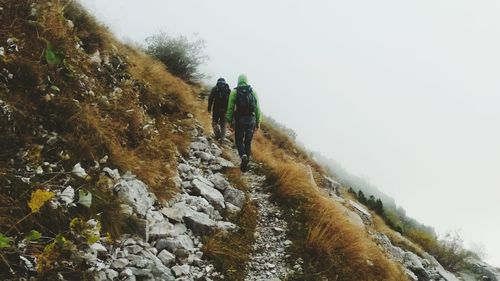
[170,246]
[268,261]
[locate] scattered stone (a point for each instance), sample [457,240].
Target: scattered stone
[412,262]
[160,230]
[199,146]
[362,211]
[184,168]
[235,197]
[142,228]
[114,174]
[225,163]
[172,244]
[111,274]
[205,156]
[199,223]
[133,249]
[100,276]
[231,209]
[79,171]
[179,229]
[219,181]
[166,257]
[120,263]
[227,226]
[177,270]
[95,58]
[175,213]
[208,192]
[67,196]
[135,193]
[215,150]
[98,248]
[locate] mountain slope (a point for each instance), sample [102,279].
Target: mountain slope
[108,172]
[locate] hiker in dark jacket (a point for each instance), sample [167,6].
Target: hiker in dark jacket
[243,109]
[217,104]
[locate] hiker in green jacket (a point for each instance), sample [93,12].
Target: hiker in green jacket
[243,109]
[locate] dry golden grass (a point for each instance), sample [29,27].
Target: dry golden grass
[91,128]
[230,251]
[235,177]
[331,236]
[396,238]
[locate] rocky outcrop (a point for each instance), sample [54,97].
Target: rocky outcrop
[205,188]
[332,186]
[234,196]
[479,270]
[134,193]
[418,268]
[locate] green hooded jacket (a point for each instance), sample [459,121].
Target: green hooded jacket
[242,81]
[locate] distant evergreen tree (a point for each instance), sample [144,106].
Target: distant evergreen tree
[361,197]
[371,202]
[352,191]
[379,207]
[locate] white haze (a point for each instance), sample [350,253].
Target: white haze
[403,93]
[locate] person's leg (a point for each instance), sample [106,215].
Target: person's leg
[215,124]
[238,137]
[222,125]
[249,130]
[247,139]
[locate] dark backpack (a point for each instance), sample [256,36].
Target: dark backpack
[245,101]
[223,92]
[220,96]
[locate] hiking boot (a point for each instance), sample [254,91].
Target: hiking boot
[244,163]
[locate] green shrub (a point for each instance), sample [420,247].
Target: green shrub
[181,56]
[451,253]
[448,250]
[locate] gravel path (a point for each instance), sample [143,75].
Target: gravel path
[268,259]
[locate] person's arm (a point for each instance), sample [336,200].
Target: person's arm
[211,100]
[258,115]
[230,106]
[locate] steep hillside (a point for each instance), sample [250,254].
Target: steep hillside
[108,171]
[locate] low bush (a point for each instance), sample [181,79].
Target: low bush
[181,56]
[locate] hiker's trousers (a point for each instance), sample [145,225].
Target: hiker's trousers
[219,124]
[244,128]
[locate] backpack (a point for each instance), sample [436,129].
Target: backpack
[223,91]
[219,96]
[245,101]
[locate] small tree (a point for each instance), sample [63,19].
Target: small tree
[451,253]
[181,56]
[361,197]
[352,191]
[379,207]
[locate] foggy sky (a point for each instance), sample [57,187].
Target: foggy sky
[402,93]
